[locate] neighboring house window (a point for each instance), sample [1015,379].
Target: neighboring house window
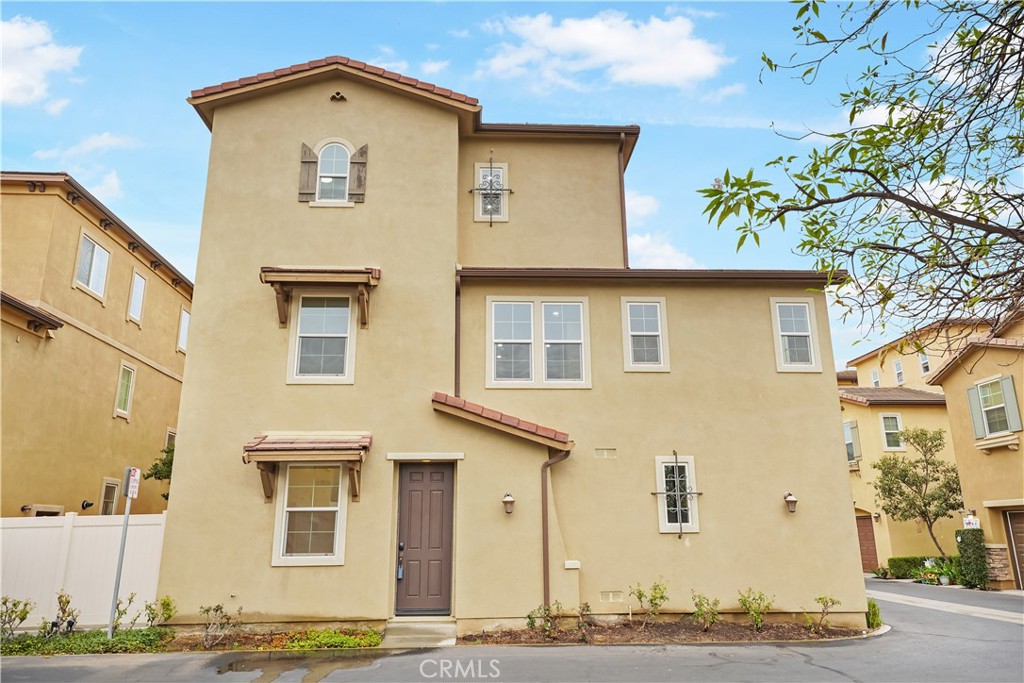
[645,337]
[183,324]
[892,425]
[994,408]
[491,190]
[321,349]
[537,343]
[170,439]
[875,381]
[925,364]
[795,338]
[851,436]
[677,498]
[92,266]
[125,390]
[310,523]
[108,496]
[333,174]
[138,293]
[898,367]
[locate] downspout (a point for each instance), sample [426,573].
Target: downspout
[458,334]
[622,201]
[554,456]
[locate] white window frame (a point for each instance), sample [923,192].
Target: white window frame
[876,379]
[897,367]
[537,359]
[126,412]
[479,169]
[812,334]
[293,377]
[88,287]
[628,334]
[852,444]
[136,276]
[184,327]
[665,526]
[926,364]
[109,481]
[335,203]
[981,406]
[278,558]
[899,428]
[170,437]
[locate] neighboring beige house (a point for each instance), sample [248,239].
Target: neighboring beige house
[983,384]
[872,419]
[395,298]
[94,330]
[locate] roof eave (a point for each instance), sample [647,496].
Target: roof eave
[652,275]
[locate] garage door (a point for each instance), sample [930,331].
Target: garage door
[1015,526]
[866,536]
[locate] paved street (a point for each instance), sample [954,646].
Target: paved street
[949,635]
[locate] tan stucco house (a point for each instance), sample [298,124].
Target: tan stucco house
[94,334]
[424,381]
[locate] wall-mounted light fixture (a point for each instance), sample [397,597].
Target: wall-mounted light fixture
[790,501]
[26,508]
[876,516]
[86,504]
[508,501]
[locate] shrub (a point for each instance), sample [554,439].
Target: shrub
[874,614]
[160,612]
[13,614]
[653,600]
[903,567]
[705,610]
[218,624]
[583,612]
[89,642]
[881,572]
[64,622]
[973,562]
[332,639]
[756,605]
[121,610]
[827,602]
[547,615]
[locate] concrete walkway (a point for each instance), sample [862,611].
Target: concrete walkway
[1005,606]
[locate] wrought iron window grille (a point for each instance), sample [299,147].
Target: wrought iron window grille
[679,491]
[492,192]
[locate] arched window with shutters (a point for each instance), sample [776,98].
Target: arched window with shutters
[333,173]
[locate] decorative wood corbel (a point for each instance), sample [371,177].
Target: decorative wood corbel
[355,469]
[284,297]
[268,472]
[364,307]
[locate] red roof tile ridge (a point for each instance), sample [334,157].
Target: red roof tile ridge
[499,417]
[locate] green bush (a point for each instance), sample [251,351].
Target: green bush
[330,639]
[904,567]
[973,563]
[756,605]
[874,614]
[88,643]
[705,610]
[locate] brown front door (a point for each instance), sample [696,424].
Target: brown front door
[425,508]
[866,536]
[1015,534]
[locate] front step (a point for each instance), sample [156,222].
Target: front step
[417,632]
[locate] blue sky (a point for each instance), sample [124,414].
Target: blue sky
[98,90]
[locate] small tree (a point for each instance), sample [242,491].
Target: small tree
[924,488]
[161,469]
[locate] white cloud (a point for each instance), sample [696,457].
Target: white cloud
[386,50]
[431,67]
[658,52]
[673,10]
[648,250]
[716,96]
[459,33]
[90,145]
[55,107]
[398,65]
[29,57]
[639,207]
[108,188]
[493,26]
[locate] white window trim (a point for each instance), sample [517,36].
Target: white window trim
[278,558]
[171,432]
[854,435]
[899,424]
[333,203]
[537,344]
[131,290]
[812,325]
[980,383]
[181,317]
[109,481]
[36,508]
[876,379]
[897,367]
[75,284]
[627,342]
[478,215]
[923,360]
[664,526]
[292,376]
[127,413]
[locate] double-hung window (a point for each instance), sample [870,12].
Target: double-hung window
[897,366]
[310,524]
[925,363]
[892,425]
[875,379]
[994,409]
[332,173]
[537,342]
[795,335]
[125,390]
[676,494]
[322,340]
[108,496]
[851,437]
[91,272]
[135,298]
[645,335]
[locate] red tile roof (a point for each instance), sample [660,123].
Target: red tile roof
[497,417]
[974,342]
[889,396]
[341,61]
[270,443]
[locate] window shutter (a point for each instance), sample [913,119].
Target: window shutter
[1010,400]
[855,435]
[977,417]
[357,175]
[307,174]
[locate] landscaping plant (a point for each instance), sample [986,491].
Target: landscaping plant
[874,614]
[653,600]
[13,614]
[160,612]
[881,572]
[827,602]
[756,605]
[121,610]
[583,612]
[87,643]
[705,610]
[547,614]
[332,639]
[218,624]
[973,562]
[64,622]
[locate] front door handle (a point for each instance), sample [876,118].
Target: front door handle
[401,563]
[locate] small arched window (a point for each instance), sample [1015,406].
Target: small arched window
[332,173]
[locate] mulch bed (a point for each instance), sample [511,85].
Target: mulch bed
[681,631]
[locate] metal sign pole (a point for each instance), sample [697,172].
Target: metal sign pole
[131,490]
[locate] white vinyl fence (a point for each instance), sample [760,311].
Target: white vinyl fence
[42,555]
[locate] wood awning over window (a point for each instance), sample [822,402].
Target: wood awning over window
[284,279]
[272,448]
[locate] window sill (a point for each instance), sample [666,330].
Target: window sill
[496,384]
[799,368]
[95,295]
[138,323]
[686,530]
[329,204]
[332,561]
[124,416]
[647,368]
[321,380]
[854,466]
[987,445]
